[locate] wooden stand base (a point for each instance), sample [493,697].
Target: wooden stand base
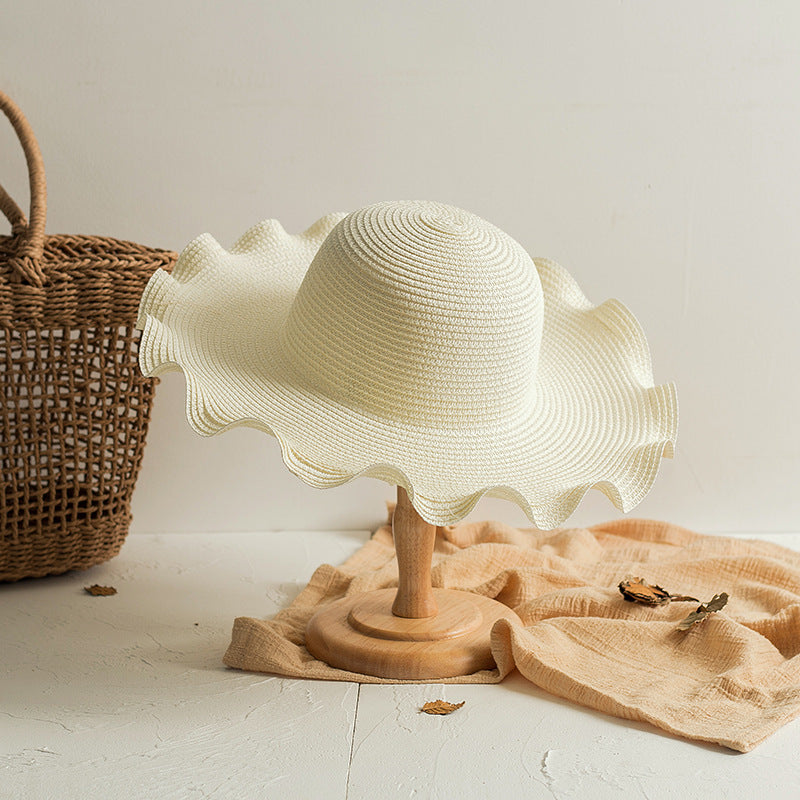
[412,633]
[362,634]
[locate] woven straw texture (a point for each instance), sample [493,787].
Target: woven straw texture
[75,409]
[416,343]
[733,679]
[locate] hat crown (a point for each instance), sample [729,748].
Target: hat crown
[419,311]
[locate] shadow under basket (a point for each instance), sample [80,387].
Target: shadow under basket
[75,407]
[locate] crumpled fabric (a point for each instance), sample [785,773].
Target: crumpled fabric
[732,679]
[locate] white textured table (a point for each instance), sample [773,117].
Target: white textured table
[126,697]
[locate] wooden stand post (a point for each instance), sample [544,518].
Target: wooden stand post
[415,632]
[414,540]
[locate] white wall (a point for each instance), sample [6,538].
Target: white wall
[651,148]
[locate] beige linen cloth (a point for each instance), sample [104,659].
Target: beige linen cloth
[733,679]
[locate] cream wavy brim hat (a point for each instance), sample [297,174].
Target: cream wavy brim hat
[416,343]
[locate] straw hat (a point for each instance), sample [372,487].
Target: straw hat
[416,343]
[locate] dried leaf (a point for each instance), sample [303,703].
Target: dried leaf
[100,591]
[717,602]
[441,707]
[638,590]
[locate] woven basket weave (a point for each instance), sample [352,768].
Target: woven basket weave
[75,408]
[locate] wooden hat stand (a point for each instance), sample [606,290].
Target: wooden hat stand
[416,632]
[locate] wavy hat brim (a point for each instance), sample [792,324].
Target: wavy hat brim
[598,420]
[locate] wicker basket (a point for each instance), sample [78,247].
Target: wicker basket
[75,408]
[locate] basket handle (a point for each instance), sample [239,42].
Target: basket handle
[26,263]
